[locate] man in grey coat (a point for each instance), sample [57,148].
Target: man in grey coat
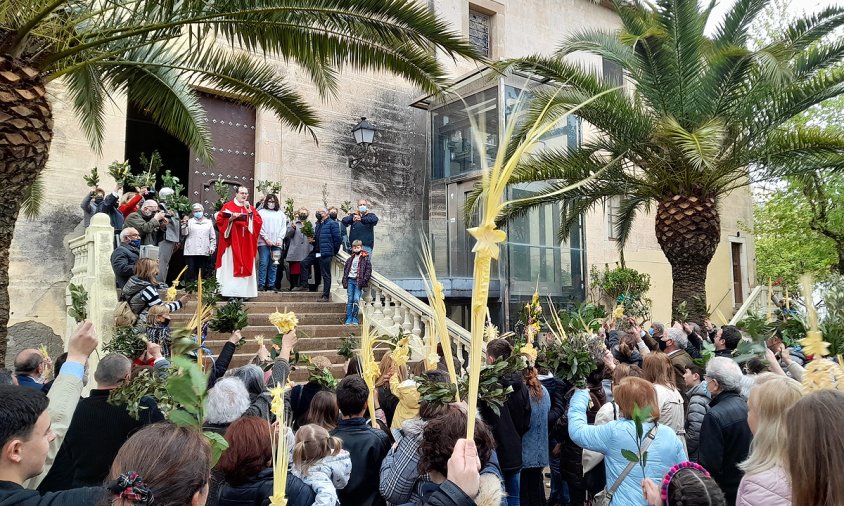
[171,236]
[698,404]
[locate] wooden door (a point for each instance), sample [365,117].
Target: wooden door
[232,127]
[738,275]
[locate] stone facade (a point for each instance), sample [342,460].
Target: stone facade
[395,175]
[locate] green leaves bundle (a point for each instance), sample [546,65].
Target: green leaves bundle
[308,229]
[210,289]
[268,187]
[78,302]
[126,342]
[490,390]
[348,345]
[233,316]
[120,171]
[92,179]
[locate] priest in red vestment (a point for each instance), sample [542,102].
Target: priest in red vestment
[238,226]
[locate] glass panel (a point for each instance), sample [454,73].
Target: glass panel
[454,149]
[479,24]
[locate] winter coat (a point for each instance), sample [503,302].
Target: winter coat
[200,239]
[571,453]
[367,447]
[671,410]
[399,473]
[490,493]
[664,452]
[510,424]
[299,247]
[109,206]
[300,400]
[608,413]
[12,494]
[89,209]
[150,230]
[557,390]
[363,230]
[327,476]
[142,295]
[257,491]
[635,357]
[123,260]
[327,238]
[172,232]
[535,440]
[698,408]
[364,270]
[727,441]
[768,488]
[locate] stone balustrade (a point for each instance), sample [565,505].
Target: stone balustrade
[92,270]
[392,310]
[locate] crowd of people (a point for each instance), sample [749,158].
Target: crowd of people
[249,248]
[651,426]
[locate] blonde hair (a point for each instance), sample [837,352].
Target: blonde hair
[384,366]
[147,269]
[313,443]
[127,197]
[771,400]
[158,310]
[658,370]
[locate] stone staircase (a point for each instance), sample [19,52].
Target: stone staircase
[320,328]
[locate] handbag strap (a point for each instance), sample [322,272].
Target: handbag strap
[649,437]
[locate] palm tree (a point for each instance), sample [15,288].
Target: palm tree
[705,115]
[157,51]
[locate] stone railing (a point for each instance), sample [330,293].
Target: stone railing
[393,309]
[92,270]
[756,302]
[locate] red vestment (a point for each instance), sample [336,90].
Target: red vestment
[236,234]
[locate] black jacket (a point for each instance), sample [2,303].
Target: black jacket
[109,206]
[510,424]
[123,260]
[96,433]
[258,490]
[12,494]
[367,447]
[725,441]
[557,390]
[300,401]
[449,494]
[571,455]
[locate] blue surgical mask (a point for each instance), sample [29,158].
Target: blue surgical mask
[362,209]
[198,215]
[135,242]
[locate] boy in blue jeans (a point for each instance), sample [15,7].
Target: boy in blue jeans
[356,276]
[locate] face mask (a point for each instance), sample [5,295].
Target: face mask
[270,206]
[198,215]
[318,216]
[356,250]
[362,209]
[98,199]
[333,216]
[135,242]
[303,217]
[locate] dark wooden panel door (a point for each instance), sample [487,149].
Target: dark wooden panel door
[232,127]
[738,275]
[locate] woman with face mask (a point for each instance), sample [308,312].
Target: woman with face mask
[271,240]
[200,242]
[299,247]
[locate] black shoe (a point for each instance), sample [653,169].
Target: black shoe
[324,298]
[261,289]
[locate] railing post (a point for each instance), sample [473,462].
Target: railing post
[92,270]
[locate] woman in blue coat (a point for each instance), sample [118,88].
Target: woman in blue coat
[535,441]
[664,452]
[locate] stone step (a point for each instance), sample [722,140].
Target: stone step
[270,307]
[302,331]
[262,319]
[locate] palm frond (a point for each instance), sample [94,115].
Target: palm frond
[733,30]
[701,147]
[34,198]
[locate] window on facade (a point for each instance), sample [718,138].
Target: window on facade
[613,76]
[479,31]
[612,206]
[455,149]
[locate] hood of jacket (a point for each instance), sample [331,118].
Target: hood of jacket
[134,286]
[413,427]
[699,389]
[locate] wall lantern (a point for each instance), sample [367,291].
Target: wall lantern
[364,133]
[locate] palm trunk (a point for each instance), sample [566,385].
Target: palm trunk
[688,228]
[26,129]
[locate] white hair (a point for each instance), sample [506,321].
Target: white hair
[226,401]
[678,336]
[726,372]
[165,192]
[125,233]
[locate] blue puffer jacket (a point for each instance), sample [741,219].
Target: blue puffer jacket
[259,489]
[327,238]
[109,206]
[665,451]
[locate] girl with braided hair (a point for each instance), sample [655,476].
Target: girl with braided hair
[686,484]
